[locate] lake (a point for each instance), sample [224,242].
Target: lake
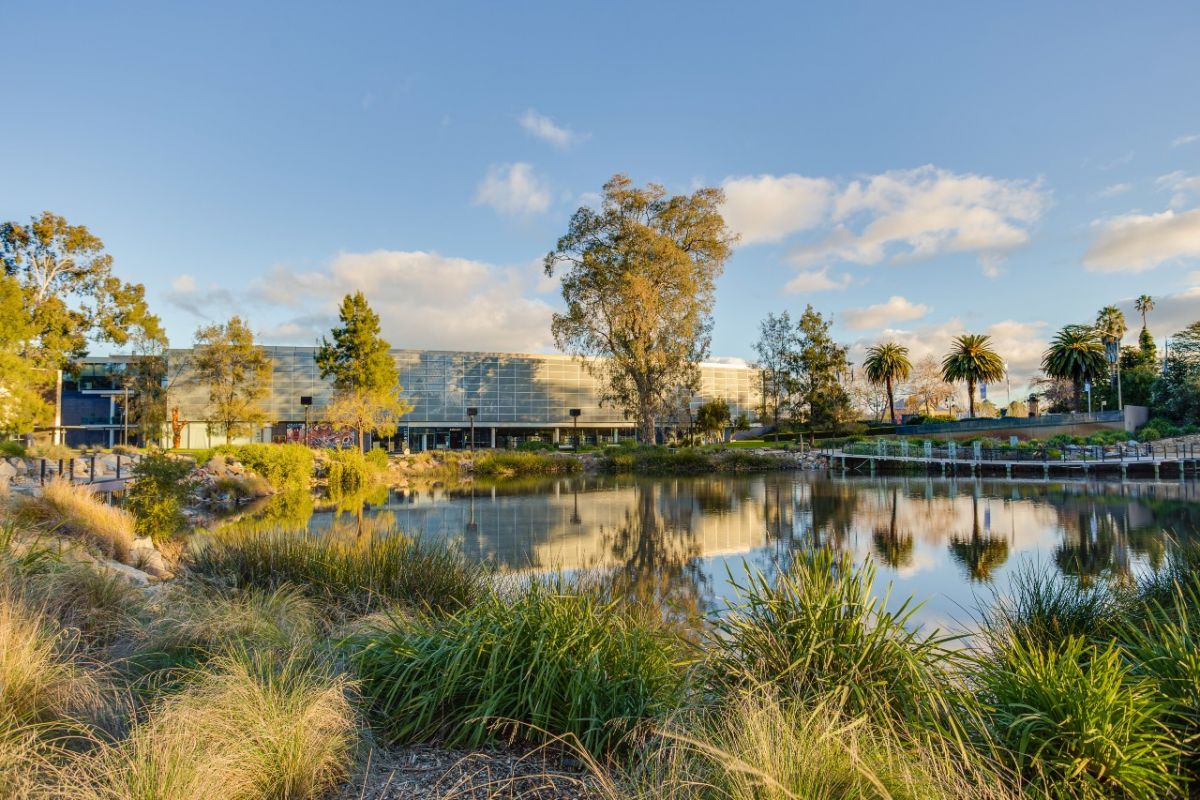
[951,543]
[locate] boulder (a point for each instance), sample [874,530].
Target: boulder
[145,556]
[135,576]
[8,473]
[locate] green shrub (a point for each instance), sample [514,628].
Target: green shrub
[287,467]
[1076,723]
[161,486]
[11,448]
[1164,645]
[819,631]
[360,575]
[349,470]
[378,458]
[552,661]
[535,446]
[516,464]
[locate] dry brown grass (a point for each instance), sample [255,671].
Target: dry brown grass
[239,731]
[70,510]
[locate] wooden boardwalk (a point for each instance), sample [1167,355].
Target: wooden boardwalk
[1181,465]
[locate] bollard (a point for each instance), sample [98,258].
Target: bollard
[92,471]
[71,466]
[43,472]
[118,466]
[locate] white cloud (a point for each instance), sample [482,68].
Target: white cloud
[205,304]
[1172,312]
[766,208]
[1181,185]
[924,212]
[817,280]
[513,189]
[542,127]
[1187,138]
[896,309]
[424,300]
[1113,190]
[1138,242]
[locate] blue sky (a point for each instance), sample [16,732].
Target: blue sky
[914,169]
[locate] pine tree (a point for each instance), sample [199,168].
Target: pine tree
[366,382]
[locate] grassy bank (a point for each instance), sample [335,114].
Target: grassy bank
[687,461]
[269,666]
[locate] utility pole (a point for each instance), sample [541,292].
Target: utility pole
[575,412]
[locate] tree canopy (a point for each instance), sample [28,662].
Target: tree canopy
[639,281]
[972,361]
[237,373]
[1077,354]
[887,364]
[366,382]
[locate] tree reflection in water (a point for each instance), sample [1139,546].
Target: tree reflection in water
[981,553]
[658,557]
[893,547]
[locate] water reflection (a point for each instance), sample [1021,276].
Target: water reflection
[673,541]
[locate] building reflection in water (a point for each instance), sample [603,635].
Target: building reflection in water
[671,540]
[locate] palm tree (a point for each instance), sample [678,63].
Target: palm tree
[888,364]
[972,360]
[1075,353]
[1110,324]
[1144,305]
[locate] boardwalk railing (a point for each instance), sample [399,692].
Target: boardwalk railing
[976,452]
[84,470]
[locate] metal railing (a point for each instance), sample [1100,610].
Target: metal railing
[81,470]
[976,452]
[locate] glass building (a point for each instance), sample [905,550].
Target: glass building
[516,397]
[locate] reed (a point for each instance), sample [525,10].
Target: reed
[69,510]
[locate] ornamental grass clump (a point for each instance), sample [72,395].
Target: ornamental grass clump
[1164,645]
[359,575]
[1075,721]
[1041,609]
[818,631]
[756,745]
[551,661]
[518,464]
[71,510]
[239,729]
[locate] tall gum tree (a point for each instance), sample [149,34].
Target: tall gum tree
[639,281]
[237,372]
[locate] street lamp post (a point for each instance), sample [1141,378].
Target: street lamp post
[306,401]
[575,412]
[471,414]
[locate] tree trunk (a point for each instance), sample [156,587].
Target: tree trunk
[646,427]
[891,400]
[971,399]
[1077,390]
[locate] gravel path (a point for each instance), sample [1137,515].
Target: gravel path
[425,773]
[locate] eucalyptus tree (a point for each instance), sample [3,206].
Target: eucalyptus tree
[639,281]
[886,365]
[972,361]
[237,372]
[1076,353]
[776,347]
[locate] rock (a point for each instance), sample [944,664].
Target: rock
[135,576]
[7,472]
[145,556]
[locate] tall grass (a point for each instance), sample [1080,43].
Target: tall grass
[66,509]
[41,682]
[552,661]
[239,730]
[1164,645]
[1076,723]
[519,464]
[195,623]
[819,631]
[756,746]
[1042,609]
[361,575]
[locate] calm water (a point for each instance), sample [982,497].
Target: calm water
[951,543]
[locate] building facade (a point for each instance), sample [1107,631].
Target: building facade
[515,397]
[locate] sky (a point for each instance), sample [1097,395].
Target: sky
[915,170]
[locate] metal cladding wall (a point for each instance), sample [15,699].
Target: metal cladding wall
[509,389]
